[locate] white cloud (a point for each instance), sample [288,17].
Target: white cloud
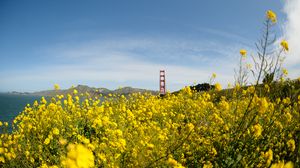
[292,34]
[135,62]
[112,69]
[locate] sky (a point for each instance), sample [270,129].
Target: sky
[111,44]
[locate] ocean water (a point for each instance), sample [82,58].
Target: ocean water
[12,104]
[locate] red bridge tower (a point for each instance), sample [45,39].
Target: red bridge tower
[162,82]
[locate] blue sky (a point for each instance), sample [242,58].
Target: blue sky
[110,43]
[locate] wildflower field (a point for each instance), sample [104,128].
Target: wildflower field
[245,126]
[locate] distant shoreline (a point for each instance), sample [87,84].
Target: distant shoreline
[83,89]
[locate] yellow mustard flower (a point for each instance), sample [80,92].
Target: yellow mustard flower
[47,141]
[190,126]
[75,91]
[214,75]
[218,86]
[2,160]
[172,162]
[263,105]
[79,156]
[55,131]
[288,117]
[285,45]
[267,88]
[150,146]
[243,52]
[208,165]
[291,145]
[271,16]
[257,129]
[56,87]
[187,90]
[268,156]
[63,141]
[214,152]
[285,72]
[281,164]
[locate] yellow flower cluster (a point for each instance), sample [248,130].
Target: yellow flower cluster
[56,87]
[78,157]
[144,130]
[257,130]
[285,72]
[291,145]
[281,164]
[218,86]
[243,52]
[285,45]
[271,16]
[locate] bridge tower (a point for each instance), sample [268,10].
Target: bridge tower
[162,82]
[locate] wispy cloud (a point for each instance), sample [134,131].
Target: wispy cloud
[128,61]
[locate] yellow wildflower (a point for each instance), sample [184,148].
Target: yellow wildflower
[268,156]
[291,145]
[190,126]
[208,165]
[267,88]
[2,160]
[251,89]
[75,91]
[214,152]
[281,164]
[47,141]
[62,141]
[285,72]
[257,129]
[188,90]
[214,75]
[271,16]
[78,156]
[263,105]
[55,131]
[150,146]
[285,45]
[56,87]
[218,86]
[44,165]
[101,156]
[27,153]
[54,166]
[243,52]
[172,162]
[288,116]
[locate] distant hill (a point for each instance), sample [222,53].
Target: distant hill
[93,91]
[19,93]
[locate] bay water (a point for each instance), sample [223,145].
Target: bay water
[12,104]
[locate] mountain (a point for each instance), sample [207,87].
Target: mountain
[93,91]
[19,93]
